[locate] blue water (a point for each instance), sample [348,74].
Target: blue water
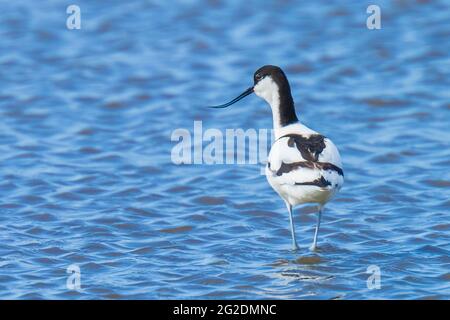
[87,177]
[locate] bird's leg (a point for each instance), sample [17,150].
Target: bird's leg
[319,216]
[291,219]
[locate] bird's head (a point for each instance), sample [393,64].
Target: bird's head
[269,82]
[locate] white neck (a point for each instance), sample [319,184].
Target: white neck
[275,106]
[269,91]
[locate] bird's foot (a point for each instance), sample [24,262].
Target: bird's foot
[313,247]
[295,247]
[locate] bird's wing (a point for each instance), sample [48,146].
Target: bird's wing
[305,159]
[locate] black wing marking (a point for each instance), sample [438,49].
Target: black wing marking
[310,147]
[319,182]
[288,167]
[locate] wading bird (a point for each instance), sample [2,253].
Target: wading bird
[303,166]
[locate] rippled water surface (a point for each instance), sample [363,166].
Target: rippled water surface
[85,150]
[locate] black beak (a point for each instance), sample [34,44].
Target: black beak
[242,95]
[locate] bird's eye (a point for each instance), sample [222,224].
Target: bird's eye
[258,77]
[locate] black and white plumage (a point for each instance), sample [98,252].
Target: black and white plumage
[303,166]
